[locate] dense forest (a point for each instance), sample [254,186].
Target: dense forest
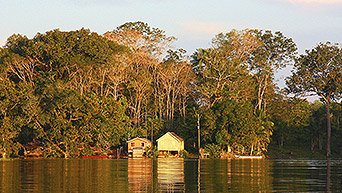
[80,93]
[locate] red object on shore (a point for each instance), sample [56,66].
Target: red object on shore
[105,156]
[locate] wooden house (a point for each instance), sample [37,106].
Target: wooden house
[137,146]
[170,144]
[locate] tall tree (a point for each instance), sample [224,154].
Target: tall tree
[147,47]
[319,72]
[175,76]
[220,67]
[274,52]
[317,125]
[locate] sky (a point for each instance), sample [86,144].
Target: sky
[193,22]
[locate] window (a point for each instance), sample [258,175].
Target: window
[142,144]
[132,144]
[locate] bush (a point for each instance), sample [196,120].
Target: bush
[213,150]
[184,154]
[151,152]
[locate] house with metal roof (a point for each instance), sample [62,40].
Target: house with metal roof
[170,145]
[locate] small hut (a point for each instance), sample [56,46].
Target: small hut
[170,144]
[137,146]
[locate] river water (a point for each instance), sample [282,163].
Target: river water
[170,175]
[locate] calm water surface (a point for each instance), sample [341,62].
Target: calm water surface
[170,175]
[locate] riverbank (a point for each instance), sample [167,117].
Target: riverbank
[296,152]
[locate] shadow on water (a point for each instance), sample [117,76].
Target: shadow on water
[328,176]
[170,175]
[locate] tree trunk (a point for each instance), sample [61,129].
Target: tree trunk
[314,143]
[320,142]
[328,128]
[338,121]
[66,153]
[4,153]
[198,133]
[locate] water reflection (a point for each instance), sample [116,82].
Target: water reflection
[170,175]
[147,175]
[140,175]
[60,175]
[328,175]
[8,174]
[236,175]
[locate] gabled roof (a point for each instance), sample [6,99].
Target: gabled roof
[172,134]
[142,139]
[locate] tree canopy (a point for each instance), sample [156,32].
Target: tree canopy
[319,72]
[78,93]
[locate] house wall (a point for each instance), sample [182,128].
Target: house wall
[138,144]
[168,143]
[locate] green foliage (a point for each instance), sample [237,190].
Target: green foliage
[292,118]
[186,128]
[235,82]
[155,37]
[68,121]
[71,112]
[184,154]
[275,51]
[151,152]
[221,70]
[155,124]
[167,155]
[214,150]
[319,72]
[234,124]
[78,93]
[17,110]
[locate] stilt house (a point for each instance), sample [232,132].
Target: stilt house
[170,144]
[137,146]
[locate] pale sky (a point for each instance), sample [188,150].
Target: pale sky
[193,22]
